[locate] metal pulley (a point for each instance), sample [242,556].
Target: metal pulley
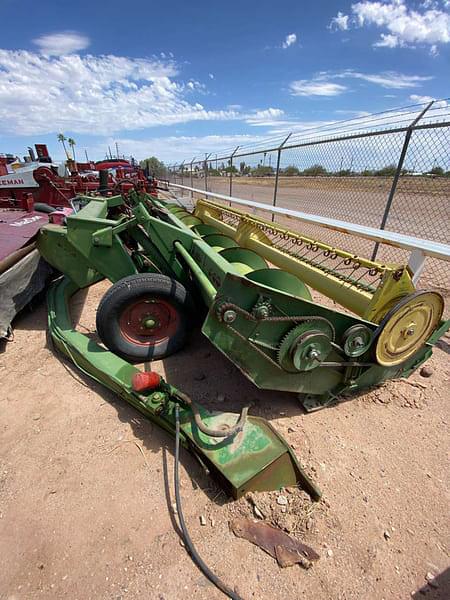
[407,327]
[357,340]
[305,346]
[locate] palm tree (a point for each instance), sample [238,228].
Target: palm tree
[71,143]
[62,138]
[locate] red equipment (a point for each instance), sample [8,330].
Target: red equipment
[43,184]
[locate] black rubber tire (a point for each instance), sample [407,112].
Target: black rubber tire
[129,290]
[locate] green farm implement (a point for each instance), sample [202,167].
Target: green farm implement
[249,281]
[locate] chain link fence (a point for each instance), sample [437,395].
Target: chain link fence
[389,170]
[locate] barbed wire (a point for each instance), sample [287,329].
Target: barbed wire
[390,121]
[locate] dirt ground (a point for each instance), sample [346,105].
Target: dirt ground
[354,199]
[86,485]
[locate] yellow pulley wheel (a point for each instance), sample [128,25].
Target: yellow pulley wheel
[407,326]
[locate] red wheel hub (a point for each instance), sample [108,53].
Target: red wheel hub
[149,322]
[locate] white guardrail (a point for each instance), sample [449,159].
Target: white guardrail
[419,248]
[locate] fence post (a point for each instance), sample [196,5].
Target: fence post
[275,189]
[192,178]
[182,177]
[206,170]
[398,172]
[231,171]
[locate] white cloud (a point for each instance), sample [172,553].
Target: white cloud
[426,99]
[174,149]
[65,42]
[387,40]
[263,118]
[316,87]
[434,50]
[196,86]
[404,26]
[210,75]
[103,95]
[94,94]
[339,22]
[290,40]
[420,99]
[323,85]
[386,79]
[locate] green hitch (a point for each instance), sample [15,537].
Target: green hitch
[255,458]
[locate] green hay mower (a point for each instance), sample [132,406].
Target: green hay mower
[248,280]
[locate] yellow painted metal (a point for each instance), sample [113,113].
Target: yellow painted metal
[352,298]
[253,233]
[407,327]
[395,284]
[254,239]
[213,209]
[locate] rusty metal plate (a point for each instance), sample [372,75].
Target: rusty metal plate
[281,546]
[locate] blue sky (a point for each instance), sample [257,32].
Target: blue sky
[178,79]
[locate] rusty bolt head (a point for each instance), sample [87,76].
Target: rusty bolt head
[229,316]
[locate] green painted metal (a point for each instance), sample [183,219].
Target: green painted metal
[207,289]
[190,221]
[245,261]
[252,307]
[204,230]
[253,345]
[257,458]
[281,280]
[219,242]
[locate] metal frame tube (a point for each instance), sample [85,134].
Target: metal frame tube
[398,172]
[207,288]
[277,174]
[231,169]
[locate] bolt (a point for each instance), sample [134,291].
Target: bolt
[358,342]
[314,354]
[149,323]
[408,332]
[229,316]
[262,312]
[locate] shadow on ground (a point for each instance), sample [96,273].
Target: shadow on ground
[437,589]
